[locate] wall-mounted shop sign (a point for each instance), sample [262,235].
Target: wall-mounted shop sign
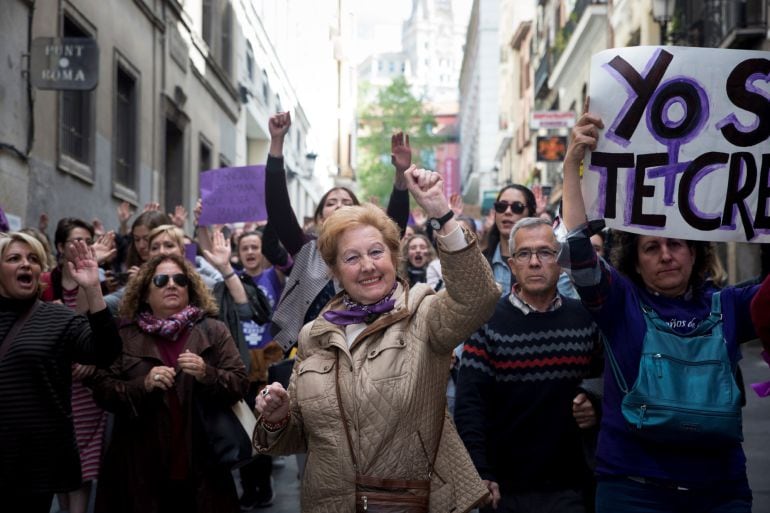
[69,63]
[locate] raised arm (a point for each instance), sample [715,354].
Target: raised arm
[585,135]
[277,203]
[96,342]
[401,158]
[471,292]
[219,256]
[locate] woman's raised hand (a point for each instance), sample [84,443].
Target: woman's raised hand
[273,403]
[400,151]
[427,188]
[83,267]
[220,252]
[279,124]
[585,135]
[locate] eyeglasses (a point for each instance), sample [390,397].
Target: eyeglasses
[517,207]
[89,242]
[161,280]
[545,256]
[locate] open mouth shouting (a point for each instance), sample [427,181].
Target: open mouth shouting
[25,280]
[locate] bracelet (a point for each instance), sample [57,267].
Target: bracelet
[228,276]
[274,427]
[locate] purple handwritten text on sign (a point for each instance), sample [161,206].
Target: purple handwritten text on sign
[233,194]
[686,149]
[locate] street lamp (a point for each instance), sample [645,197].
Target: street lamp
[663,12]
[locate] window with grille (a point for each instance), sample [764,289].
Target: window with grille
[75,112]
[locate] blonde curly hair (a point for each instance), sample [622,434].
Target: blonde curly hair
[135,299]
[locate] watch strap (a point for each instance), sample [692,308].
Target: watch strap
[443,219]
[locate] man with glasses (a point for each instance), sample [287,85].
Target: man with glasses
[520,408]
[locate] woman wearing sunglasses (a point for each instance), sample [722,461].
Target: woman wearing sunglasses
[174,353]
[513,202]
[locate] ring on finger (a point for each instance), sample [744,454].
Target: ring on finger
[156,377]
[265,392]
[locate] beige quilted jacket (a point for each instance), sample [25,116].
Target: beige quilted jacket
[393,383]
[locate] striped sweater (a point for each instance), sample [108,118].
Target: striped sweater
[518,376]
[38,452]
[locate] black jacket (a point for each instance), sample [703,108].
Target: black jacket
[38,453]
[257,309]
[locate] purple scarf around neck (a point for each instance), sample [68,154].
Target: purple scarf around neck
[171,326]
[356,313]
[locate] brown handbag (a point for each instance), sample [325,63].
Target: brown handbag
[378,495]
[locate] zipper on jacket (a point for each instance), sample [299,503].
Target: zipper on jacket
[656,358]
[366,502]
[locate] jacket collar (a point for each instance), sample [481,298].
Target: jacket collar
[326,330]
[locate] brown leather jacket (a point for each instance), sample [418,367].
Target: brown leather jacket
[393,382]
[136,464]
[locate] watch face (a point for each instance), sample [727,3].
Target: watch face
[435,224]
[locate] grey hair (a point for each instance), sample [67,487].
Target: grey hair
[527,223]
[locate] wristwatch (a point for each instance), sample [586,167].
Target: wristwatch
[437,222]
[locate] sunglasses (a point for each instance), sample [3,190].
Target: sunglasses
[517,207]
[161,280]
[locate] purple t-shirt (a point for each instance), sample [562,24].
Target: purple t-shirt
[258,335]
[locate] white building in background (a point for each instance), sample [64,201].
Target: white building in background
[429,55]
[479,103]
[377,71]
[432,42]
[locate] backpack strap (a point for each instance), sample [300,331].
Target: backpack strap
[618,375]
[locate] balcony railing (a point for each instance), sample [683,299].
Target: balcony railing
[562,37]
[716,23]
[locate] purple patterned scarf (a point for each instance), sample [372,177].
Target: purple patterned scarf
[356,313]
[172,326]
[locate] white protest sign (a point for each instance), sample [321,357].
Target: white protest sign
[685,149]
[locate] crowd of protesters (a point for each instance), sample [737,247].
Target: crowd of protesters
[437,361]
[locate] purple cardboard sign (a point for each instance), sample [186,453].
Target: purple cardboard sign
[190,252]
[233,194]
